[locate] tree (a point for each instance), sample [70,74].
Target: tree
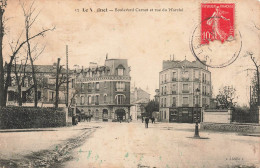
[60,79]
[151,107]
[5,81]
[226,96]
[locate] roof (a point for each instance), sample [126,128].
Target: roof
[38,68]
[182,64]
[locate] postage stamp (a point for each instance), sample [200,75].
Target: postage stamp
[216,32]
[217,22]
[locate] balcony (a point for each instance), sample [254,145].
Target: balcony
[185,79]
[196,79]
[185,91]
[185,105]
[174,79]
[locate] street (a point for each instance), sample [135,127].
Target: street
[106,144]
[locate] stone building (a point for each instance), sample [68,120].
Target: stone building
[46,79]
[104,91]
[178,83]
[139,99]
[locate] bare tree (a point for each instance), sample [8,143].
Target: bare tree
[29,19]
[5,82]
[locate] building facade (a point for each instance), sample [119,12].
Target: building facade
[104,91]
[139,99]
[46,80]
[178,83]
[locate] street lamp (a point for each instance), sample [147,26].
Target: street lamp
[197,91]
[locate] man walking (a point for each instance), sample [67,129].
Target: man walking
[146,122]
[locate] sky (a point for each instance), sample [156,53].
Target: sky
[144,38]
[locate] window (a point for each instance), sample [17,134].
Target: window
[97,113]
[105,84]
[120,71]
[120,99]
[164,102]
[165,78]
[72,83]
[185,75]
[89,100]
[185,88]
[11,95]
[97,100]
[82,99]
[89,87]
[185,101]
[164,114]
[24,96]
[174,76]
[39,95]
[165,91]
[174,101]
[162,78]
[120,86]
[97,85]
[173,88]
[162,90]
[82,87]
[105,98]
[51,96]
[196,74]
[92,99]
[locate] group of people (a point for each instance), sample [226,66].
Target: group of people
[146,119]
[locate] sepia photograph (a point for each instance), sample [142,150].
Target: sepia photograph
[129,84]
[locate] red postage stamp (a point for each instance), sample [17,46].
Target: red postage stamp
[217,22]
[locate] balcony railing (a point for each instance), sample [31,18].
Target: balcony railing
[185,79]
[185,105]
[174,79]
[185,91]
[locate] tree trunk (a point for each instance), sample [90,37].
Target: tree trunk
[33,70]
[2,91]
[57,84]
[19,95]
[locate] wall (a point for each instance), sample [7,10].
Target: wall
[217,116]
[234,127]
[30,117]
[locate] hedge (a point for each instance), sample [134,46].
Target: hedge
[31,117]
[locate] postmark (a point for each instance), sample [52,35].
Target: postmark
[215,41]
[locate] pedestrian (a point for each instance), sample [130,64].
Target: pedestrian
[142,119]
[153,119]
[146,122]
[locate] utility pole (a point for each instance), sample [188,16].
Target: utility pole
[57,83]
[67,66]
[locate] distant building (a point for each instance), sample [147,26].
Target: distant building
[46,79]
[178,82]
[139,99]
[104,91]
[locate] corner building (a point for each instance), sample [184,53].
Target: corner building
[104,91]
[178,83]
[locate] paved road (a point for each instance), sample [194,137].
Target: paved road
[119,145]
[163,145]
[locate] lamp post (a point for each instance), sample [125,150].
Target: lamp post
[197,91]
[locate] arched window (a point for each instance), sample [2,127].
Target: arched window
[105,98]
[120,70]
[120,99]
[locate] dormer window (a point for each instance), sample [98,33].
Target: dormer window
[120,70]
